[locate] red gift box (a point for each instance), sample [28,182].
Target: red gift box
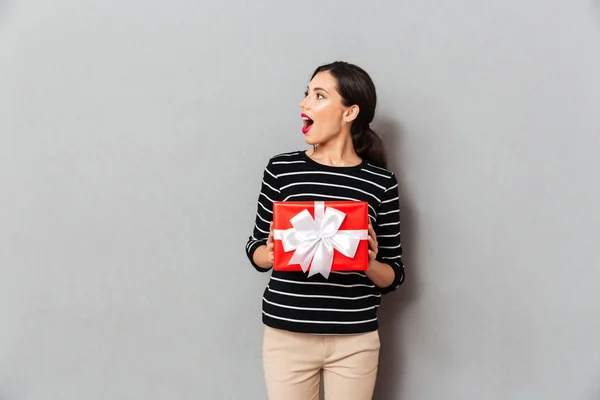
[321,236]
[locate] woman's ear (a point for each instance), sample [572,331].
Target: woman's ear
[351,113]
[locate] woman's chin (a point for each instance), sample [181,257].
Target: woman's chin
[310,140]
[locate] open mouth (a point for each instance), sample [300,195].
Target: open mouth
[308,123]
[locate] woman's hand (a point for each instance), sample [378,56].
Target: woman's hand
[271,253]
[263,256]
[373,246]
[382,275]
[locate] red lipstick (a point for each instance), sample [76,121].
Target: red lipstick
[308,123]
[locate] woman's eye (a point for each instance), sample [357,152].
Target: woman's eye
[318,96]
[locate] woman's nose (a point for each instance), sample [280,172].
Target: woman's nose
[303,104]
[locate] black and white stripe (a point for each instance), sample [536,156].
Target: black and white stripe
[347,302]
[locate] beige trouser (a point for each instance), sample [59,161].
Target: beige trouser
[293,363]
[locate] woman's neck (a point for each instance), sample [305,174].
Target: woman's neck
[336,153]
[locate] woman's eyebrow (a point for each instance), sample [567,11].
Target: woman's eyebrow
[318,88]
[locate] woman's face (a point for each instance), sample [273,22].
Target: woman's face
[323,113]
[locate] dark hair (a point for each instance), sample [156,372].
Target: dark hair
[356,87]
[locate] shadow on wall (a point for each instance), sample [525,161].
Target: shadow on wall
[392,364]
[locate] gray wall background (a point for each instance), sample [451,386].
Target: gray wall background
[133,135]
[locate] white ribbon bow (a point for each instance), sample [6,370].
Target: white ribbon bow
[315,239]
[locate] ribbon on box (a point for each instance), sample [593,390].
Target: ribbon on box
[315,239]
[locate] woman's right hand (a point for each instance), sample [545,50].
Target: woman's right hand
[270,246]
[264,256]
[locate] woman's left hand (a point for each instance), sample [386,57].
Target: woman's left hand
[373,246]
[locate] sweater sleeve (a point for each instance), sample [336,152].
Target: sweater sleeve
[387,229]
[269,193]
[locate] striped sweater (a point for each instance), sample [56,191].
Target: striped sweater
[347,302]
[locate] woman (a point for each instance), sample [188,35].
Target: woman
[316,326]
